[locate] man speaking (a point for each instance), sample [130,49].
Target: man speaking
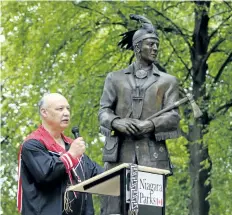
[49,162]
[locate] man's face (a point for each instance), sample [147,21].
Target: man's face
[56,112]
[149,50]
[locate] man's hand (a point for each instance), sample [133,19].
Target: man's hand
[77,147]
[127,126]
[144,126]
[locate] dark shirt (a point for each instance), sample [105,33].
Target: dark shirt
[44,181]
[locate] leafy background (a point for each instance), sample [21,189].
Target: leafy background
[69,47]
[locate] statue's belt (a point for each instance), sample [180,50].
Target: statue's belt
[144,137]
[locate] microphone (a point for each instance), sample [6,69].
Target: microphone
[75,131]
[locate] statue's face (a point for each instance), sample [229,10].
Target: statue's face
[149,50]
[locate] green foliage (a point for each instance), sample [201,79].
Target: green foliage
[69,47]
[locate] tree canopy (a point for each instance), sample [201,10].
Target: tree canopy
[69,47]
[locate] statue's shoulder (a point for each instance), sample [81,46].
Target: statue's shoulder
[164,76]
[120,73]
[168,77]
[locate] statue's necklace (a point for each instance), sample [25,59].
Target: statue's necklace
[141,74]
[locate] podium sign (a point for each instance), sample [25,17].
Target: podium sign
[116,182]
[150,189]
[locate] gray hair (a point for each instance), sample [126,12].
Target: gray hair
[40,104]
[42,101]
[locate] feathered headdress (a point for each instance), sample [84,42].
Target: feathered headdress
[147,30]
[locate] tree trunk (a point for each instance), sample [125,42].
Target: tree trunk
[199,174]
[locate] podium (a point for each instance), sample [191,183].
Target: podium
[116,182]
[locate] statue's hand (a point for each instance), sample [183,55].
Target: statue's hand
[144,126]
[127,126]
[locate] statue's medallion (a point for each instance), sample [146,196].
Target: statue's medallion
[141,74]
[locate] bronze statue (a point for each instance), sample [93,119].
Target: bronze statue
[132,95]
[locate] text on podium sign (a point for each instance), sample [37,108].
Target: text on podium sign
[150,189]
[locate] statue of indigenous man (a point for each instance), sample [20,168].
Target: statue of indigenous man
[129,97]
